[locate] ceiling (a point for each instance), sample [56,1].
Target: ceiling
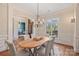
[44,8]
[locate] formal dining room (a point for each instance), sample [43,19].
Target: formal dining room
[39,29]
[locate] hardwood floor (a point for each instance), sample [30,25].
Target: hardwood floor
[59,50]
[5,53]
[63,50]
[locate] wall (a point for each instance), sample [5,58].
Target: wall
[3,19]
[6,23]
[3,26]
[10,22]
[65,27]
[13,12]
[76,38]
[19,15]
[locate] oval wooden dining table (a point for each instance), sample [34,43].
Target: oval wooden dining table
[31,43]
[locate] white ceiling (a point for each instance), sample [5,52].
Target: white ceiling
[44,8]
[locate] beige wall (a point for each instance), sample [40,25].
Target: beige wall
[65,27]
[3,26]
[19,15]
[13,14]
[7,13]
[3,19]
[10,22]
[19,12]
[76,38]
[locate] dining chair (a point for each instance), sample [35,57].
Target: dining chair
[13,50]
[48,49]
[19,39]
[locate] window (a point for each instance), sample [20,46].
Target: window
[21,29]
[52,27]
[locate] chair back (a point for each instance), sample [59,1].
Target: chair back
[49,46]
[11,48]
[21,38]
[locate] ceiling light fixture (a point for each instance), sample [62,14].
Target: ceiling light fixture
[38,20]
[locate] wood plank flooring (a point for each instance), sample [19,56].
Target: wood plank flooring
[63,50]
[59,50]
[5,53]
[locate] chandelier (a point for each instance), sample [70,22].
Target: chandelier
[38,20]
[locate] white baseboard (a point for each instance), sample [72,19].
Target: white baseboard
[64,43]
[76,50]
